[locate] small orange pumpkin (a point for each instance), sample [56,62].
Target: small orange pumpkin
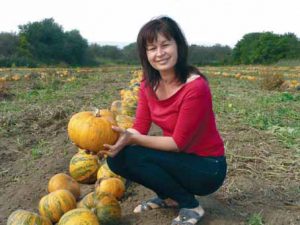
[64,181]
[112,185]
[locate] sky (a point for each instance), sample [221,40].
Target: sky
[117,22]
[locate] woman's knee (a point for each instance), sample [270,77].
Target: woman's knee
[114,165]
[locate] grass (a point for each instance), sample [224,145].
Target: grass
[40,149]
[273,111]
[255,219]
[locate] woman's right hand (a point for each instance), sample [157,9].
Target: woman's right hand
[123,140]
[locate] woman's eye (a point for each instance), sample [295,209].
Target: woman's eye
[151,49]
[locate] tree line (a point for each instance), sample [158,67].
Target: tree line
[45,43]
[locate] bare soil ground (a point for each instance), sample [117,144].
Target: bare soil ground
[36,147]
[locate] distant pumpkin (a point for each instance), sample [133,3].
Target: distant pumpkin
[116,107]
[124,121]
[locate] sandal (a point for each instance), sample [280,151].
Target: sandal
[188,217]
[153,203]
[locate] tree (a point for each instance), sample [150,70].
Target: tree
[130,54]
[213,55]
[75,47]
[8,44]
[265,48]
[45,40]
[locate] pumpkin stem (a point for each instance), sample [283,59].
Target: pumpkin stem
[96,112]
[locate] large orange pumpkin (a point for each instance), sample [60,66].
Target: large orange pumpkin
[78,217]
[90,131]
[83,167]
[55,204]
[24,217]
[112,185]
[64,181]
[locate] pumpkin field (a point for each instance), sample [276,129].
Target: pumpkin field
[257,110]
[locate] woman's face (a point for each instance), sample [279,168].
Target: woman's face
[162,53]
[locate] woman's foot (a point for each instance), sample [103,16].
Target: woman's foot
[188,216]
[155,203]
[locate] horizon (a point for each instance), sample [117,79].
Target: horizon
[206,22]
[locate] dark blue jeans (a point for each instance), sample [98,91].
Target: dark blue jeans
[179,176]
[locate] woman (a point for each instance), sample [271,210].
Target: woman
[188,159]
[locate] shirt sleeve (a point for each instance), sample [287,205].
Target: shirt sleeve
[142,120]
[193,116]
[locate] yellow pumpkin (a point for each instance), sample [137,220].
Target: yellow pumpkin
[83,167]
[107,208]
[87,201]
[104,205]
[24,217]
[124,121]
[109,115]
[112,185]
[105,172]
[56,203]
[90,131]
[79,216]
[64,181]
[116,107]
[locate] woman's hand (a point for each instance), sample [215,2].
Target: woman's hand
[124,140]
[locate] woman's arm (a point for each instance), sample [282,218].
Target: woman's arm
[133,131]
[156,142]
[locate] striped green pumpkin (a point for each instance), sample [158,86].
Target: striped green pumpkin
[104,205]
[83,167]
[24,217]
[56,203]
[107,209]
[78,217]
[87,201]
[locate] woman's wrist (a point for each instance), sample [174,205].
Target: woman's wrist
[130,136]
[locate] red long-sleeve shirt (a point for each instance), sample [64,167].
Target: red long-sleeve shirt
[187,116]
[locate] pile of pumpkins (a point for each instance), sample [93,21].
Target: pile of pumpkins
[63,205]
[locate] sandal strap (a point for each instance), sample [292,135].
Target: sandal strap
[185,215]
[147,205]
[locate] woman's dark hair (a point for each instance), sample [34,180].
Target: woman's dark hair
[170,29]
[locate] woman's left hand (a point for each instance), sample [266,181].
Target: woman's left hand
[122,142]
